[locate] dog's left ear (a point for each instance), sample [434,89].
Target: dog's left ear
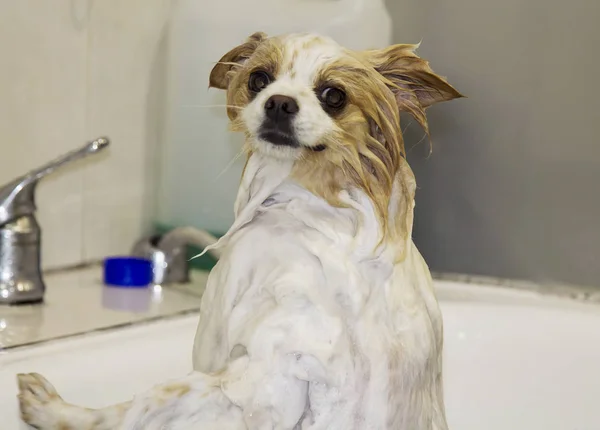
[415,85]
[220,74]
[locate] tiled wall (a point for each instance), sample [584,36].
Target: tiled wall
[73,70]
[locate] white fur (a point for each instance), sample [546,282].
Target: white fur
[305,322]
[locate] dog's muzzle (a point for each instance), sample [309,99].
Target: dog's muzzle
[277,127]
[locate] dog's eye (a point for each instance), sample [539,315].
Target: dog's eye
[333,98]
[258,81]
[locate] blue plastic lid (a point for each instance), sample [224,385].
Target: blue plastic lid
[128,272]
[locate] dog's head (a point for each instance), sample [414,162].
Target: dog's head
[334,111]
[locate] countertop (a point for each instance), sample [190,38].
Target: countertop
[78,302]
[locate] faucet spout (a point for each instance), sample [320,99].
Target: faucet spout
[168,253]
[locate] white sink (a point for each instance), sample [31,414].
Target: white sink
[101,369]
[513,360]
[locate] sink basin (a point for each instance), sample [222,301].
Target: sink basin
[513,360]
[101,369]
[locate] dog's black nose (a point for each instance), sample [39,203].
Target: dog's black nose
[281,108]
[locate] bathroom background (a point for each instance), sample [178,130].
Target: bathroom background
[510,190]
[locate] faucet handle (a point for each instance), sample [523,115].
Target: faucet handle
[17,198]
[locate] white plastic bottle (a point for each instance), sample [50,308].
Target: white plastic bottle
[198,174]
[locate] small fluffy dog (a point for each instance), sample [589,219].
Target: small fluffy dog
[320,313]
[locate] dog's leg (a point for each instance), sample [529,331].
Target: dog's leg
[42,408]
[243,395]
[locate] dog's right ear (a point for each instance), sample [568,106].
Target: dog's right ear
[221,73]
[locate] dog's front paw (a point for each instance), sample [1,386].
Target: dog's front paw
[38,401]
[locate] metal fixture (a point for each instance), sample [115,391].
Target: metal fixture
[20,275]
[168,253]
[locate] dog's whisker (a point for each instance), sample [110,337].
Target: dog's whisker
[213,106]
[418,143]
[229,63]
[228,166]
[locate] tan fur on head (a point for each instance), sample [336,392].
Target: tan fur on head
[412,81]
[220,76]
[363,143]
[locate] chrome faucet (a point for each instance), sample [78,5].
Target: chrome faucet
[168,256]
[20,274]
